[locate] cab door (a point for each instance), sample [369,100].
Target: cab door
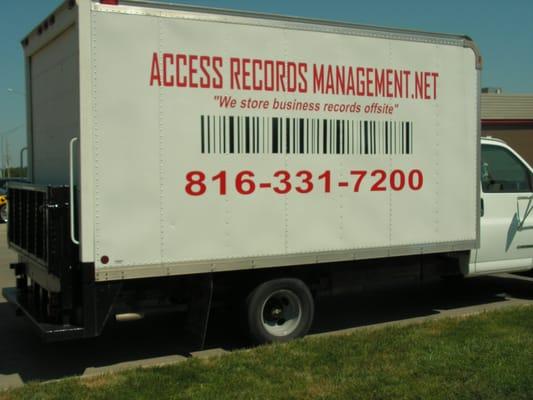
[506,223]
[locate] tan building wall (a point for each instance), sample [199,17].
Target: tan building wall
[509,117]
[519,138]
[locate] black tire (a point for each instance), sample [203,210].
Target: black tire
[3,213]
[279,310]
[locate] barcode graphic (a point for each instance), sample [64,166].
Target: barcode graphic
[276,135]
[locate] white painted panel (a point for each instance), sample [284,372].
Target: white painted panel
[126,138]
[444,148]
[149,137]
[54,84]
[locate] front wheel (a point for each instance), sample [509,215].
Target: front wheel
[3,213]
[280,310]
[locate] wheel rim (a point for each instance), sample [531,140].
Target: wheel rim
[281,313]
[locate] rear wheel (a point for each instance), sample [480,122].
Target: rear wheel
[280,310]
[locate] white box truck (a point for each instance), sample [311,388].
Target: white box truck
[180,155]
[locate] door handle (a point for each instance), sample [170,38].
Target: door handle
[482,210]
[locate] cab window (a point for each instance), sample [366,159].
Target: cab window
[502,172]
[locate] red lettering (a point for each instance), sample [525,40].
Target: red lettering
[192,71]
[340,79]
[398,83]
[369,82]
[378,185]
[406,74]
[302,71]
[155,74]
[380,82]
[218,80]
[245,74]
[243,182]
[269,72]
[350,85]
[416,179]
[235,72]
[168,59]
[257,84]
[280,81]
[330,86]
[205,79]
[419,85]
[291,77]
[180,59]
[435,75]
[359,78]
[426,85]
[388,83]
[318,78]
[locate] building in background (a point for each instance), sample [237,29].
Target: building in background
[509,117]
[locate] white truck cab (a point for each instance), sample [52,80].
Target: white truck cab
[506,224]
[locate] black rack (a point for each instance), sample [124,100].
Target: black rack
[39,224]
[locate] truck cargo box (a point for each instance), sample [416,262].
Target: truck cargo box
[210,140]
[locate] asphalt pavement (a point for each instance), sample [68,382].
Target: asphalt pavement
[160,340]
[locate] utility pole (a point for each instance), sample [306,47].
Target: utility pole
[8,168]
[3,158]
[6,160]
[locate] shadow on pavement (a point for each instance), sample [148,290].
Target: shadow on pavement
[24,354]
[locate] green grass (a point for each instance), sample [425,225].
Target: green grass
[488,356]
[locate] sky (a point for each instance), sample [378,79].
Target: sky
[503,30]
